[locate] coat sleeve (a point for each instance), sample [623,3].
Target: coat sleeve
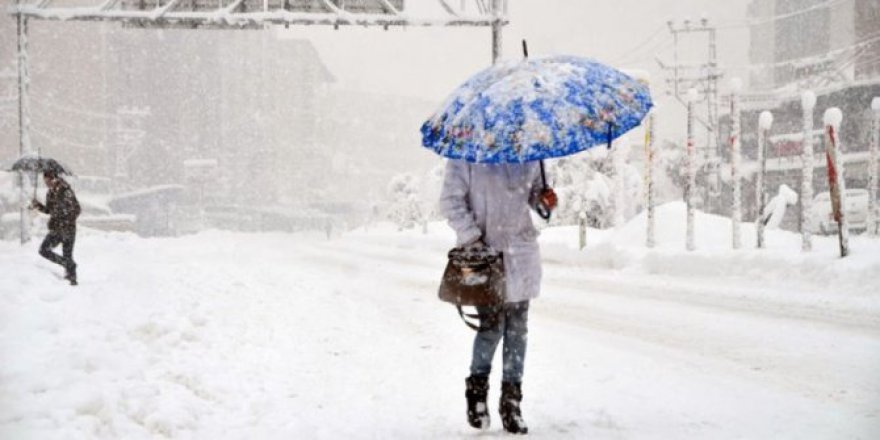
[40,207]
[455,203]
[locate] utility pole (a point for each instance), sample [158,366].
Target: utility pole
[650,239]
[129,137]
[765,121]
[691,171]
[836,182]
[808,103]
[497,26]
[736,182]
[873,221]
[704,77]
[24,119]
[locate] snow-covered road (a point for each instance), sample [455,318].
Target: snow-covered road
[722,366]
[244,336]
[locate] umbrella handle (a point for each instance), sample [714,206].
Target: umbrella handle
[525,49]
[543,212]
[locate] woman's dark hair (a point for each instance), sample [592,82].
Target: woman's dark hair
[51,174]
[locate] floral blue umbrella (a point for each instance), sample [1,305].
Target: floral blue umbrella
[535,109]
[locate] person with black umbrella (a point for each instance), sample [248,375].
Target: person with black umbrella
[63,210]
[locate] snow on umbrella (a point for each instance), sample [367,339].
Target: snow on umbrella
[37,164]
[539,108]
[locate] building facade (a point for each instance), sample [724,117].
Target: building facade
[831,47]
[813,43]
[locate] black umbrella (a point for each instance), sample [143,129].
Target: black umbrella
[37,164]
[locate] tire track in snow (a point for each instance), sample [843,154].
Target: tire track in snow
[726,299]
[583,300]
[829,365]
[653,288]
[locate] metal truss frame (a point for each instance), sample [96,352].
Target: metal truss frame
[259,13]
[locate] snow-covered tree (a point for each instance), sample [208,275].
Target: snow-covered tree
[584,183]
[671,159]
[432,184]
[404,207]
[414,199]
[581,188]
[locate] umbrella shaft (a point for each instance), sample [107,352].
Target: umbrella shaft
[543,175]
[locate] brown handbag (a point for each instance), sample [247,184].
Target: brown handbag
[473,277]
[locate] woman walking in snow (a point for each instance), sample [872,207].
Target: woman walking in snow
[488,205]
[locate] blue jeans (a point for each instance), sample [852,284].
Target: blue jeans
[512,325]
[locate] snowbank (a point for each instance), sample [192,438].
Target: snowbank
[781,264]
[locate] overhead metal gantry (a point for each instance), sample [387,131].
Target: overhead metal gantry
[259,13]
[235,14]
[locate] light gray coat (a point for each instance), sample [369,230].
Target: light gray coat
[492,201]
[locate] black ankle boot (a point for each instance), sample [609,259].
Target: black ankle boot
[71,274]
[476,391]
[508,407]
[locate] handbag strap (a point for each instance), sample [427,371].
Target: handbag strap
[479,327]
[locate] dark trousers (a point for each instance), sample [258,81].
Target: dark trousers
[66,240]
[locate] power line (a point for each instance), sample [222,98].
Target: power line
[827,4]
[45,120]
[863,43]
[56,141]
[69,109]
[658,45]
[760,21]
[641,44]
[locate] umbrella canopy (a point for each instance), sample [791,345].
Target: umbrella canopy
[37,164]
[535,109]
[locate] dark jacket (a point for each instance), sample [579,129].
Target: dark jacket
[62,207]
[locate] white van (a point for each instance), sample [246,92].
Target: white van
[856,211]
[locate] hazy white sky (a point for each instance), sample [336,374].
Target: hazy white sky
[430,62]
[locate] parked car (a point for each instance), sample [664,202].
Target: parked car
[856,211]
[97,215]
[155,208]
